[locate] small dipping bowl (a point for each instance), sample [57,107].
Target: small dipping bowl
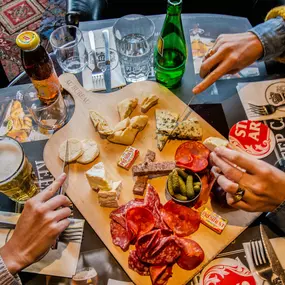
[187,203]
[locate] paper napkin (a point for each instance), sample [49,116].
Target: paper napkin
[61,262]
[264,93]
[278,245]
[117,79]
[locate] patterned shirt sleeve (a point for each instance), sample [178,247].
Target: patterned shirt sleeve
[277,217]
[6,278]
[272,37]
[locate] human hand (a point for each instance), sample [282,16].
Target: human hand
[264,184]
[230,54]
[44,217]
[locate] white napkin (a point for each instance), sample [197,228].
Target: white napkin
[270,92]
[61,262]
[117,79]
[278,245]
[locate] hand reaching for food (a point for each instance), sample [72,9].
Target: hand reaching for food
[260,189]
[230,54]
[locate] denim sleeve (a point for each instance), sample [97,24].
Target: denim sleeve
[278,217]
[272,36]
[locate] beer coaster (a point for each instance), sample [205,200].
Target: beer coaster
[253,138]
[225,271]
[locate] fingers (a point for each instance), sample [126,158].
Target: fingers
[51,190]
[238,205]
[242,160]
[62,225]
[227,185]
[217,73]
[228,170]
[210,63]
[57,202]
[62,214]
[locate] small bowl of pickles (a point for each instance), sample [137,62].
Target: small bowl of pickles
[183,186]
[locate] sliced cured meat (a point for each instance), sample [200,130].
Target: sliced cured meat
[208,181]
[139,220]
[182,220]
[152,202]
[160,274]
[165,252]
[136,265]
[118,215]
[147,242]
[192,254]
[119,235]
[190,148]
[192,155]
[197,164]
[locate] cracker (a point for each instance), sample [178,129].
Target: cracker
[74,150]
[90,151]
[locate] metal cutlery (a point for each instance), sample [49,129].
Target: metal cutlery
[278,272]
[71,234]
[260,261]
[263,110]
[107,73]
[97,73]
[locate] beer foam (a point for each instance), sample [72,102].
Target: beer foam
[10,158]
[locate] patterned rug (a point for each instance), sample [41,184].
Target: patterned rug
[20,15]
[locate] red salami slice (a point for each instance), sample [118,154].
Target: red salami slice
[182,220]
[139,220]
[192,155]
[119,235]
[118,215]
[192,254]
[160,274]
[165,252]
[147,242]
[136,265]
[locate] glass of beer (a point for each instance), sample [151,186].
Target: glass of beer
[17,180]
[85,276]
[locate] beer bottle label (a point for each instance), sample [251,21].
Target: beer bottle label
[160,45]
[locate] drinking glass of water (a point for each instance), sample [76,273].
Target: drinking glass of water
[134,35]
[68,45]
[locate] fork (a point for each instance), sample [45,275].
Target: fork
[70,234]
[261,263]
[97,73]
[263,110]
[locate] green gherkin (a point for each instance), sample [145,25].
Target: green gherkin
[170,53]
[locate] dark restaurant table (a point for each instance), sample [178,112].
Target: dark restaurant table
[216,107]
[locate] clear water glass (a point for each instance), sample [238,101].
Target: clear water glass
[50,116]
[134,37]
[68,45]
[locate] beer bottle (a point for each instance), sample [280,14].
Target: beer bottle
[39,66]
[170,53]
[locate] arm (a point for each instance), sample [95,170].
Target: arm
[44,217]
[233,52]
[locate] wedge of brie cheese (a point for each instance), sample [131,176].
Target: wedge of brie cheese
[98,178]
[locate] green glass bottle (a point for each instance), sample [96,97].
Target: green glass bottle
[170,53]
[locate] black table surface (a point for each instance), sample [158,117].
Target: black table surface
[217,109]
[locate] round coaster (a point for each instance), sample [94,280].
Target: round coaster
[253,138]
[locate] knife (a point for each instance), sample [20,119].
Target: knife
[184,116]
[275,263]
[107,73]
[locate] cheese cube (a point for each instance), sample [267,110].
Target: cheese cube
[110,198]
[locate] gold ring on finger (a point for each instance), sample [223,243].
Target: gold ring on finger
[209,53]
[239,194]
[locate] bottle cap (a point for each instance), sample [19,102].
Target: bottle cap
[28,40]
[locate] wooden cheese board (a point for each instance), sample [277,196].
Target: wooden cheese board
[85,199]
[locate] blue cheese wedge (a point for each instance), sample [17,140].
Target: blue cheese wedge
[165,121]
[110,198]
[98,178]
[188,130]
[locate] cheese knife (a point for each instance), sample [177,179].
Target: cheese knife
[279,273]
[107,73]
[183,116]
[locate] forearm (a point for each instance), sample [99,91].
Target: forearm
[6,278]
[272,37]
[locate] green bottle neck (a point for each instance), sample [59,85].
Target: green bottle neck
[174,7]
